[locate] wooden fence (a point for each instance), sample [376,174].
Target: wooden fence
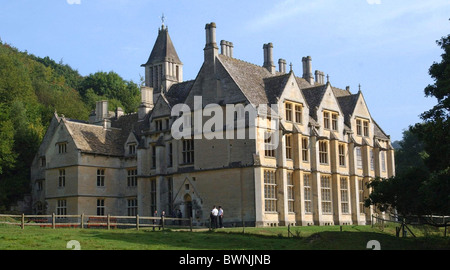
[412,221]
[92,221]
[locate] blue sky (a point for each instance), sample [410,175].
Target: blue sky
[386,46]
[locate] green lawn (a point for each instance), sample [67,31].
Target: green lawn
[306,238]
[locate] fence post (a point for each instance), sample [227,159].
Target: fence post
[82,221]
[53,221]
[108,222]
[162,222]
[23,221]
[137,222]
[190,223]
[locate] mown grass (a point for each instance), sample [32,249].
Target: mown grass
[305,238]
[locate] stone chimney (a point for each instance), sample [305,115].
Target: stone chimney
[320,77]
[307,70]
[119,112]
[226,48]
[282,65]
[211,50]
[268,57]
[146,101]
[101,110]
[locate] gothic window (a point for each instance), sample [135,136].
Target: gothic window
[61,208]
[100,207]
[188,151]
[325,185]
[298,114]
[344,195]
[305,152]
[62,178]
[307,189]
[132,207]
[270,188]
[341,149]
[323,152]
[290,190]
[100,177]
[132,178]
[289,146]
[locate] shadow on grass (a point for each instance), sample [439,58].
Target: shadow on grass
[222,240]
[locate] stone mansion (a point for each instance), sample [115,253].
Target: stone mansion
[328,147]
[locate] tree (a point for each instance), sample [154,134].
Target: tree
[111,86]
[422,185]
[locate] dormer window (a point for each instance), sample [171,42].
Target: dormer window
[132,149]
[159,125]
[288,111]
[293,112]
[330,117]
[62,148]
[42,159]
[362,127]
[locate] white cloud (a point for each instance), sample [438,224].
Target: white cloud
[76,2]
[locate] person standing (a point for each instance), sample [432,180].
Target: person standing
[214,213]
[220,216]
[155,214]
[163,215]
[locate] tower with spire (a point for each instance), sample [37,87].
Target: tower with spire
[163,68]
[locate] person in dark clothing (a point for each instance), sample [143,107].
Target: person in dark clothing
[155,214]
[179,215]
[163,215]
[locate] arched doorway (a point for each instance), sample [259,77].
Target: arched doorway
[187,206]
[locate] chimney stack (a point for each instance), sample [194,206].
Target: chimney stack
[101,110]
[282,65]
[211,49]
[226,48]
[320,77]
[119,112]
[307,70]
[268,57]
[146,101]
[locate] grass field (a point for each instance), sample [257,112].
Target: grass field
[304,238]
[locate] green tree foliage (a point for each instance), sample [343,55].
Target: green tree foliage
[29,94]
[110,86]
[410,153]
[422,183]
[31,90]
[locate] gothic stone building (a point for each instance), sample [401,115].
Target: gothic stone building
[329,147]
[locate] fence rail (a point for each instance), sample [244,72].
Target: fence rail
[88,221]
[412,221]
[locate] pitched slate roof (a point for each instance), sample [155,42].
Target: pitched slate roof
[94,139]
[179,92]
[163,49]
[274,87]
[314,96]
[347,104]
[248,77]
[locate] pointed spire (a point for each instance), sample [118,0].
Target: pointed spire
[290,66]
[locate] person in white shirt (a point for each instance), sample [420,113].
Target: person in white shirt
[214,214]
[220,216]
